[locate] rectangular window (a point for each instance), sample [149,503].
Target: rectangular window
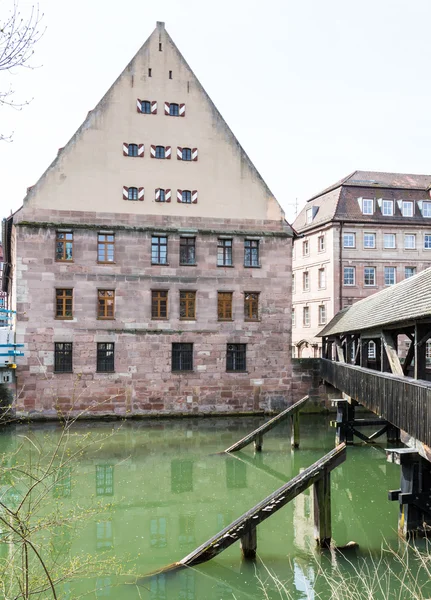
[293,283]
[306,316]
[426,209]
[369,240]
[409,272]
[106,304]
[105,357]
[187,251]
[305,281]
[159,250]
[293,317]
[159,304]
[308,215]
[389,240]
[409,241]
[224,306]
[407,209]
[188,305]
[370,276]
[388,208]
[251,253]
[322,278]
[367,206]
[236,357]
[321,243]
[105,247]
[251,306]
[372,350]
[182,357]
[349,276]
[322,314]
[305,248]
[64,304]
[427,241]
[224,253]
[63,357]
[64,246]
[390,276]
[349,240]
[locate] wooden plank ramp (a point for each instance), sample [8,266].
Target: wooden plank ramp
[244,528]
[256,435]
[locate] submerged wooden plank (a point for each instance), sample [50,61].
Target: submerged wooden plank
[257,433]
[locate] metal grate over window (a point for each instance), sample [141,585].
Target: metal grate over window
[63,357]
[105,357]
[236,357]
[182,357]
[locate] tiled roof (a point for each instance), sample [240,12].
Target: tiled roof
[326,205]
[408,300]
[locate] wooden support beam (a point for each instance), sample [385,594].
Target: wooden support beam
[322,511]
[393,434]
[258,443]
[340,352]
[409,358]
[295,430]
[420,351]
[392,354]
[249,544]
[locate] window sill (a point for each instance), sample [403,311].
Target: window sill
[252,320]
[159,318]
[63,318]
[193,319]
[159,264]
[105,372]
[182,371]
[106,262]
[188,264]
[225,320]
[236,371]
[252,266]
[65,260]
[373,285]
[106,318]
[226,266]
[349,247]
[62,372]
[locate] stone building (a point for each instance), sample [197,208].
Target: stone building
[150,264]
[365,232]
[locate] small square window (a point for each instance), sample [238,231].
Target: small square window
[187,251]
[409,272]
[236,357]
[159,250]
[224,306]
[224,253]
[132,150]
[349,276]
[105,247]
[174,109]
[306,316]
[186,154]
[63,357]
[132,193]
[159,304]
[409,241]
[251,306]
[105,357]
[182,357]
[390,275]
[349,240]
[64,246]
[369,276]
[309,215]
[389,240]
[160,152]
[106,304]
[367,206]
[186,196]
[251,253]
[145,106]
[407,209]
[369,240]
[388,208]
[426,209]
[64,304]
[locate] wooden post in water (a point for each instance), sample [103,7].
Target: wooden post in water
[249,544]
[322,510]
[258,442]
[295,430]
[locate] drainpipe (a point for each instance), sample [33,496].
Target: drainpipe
[340,281]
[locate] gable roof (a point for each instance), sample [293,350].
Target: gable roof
[406,301]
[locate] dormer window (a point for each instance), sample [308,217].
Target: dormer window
[309,215]
[388,208]
[407,209]
[367,206]
[426,209]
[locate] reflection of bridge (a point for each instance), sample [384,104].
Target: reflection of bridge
[363,357]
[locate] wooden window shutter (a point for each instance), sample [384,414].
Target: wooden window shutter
[179,195]
[179,153]
[153,151]
[141,150]
[157,198]
[167,111]
[194,154]
[168,152]
[167,195]
[141,192]
[153,107]
[125,193]
[194,197]
[138,106]
[125,149]
[182,110]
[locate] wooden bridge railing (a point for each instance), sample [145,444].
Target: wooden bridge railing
[403,401]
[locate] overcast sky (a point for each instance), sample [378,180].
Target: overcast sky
[313,89]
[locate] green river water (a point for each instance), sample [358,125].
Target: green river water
[170,491]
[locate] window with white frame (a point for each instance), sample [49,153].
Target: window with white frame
[426,209]
[322,314]
[349,276]
[369,240]
[322,278]
[370,276]
[305,248]
[407,208]
[321,243]
[427,241]
[293,317]
[409,241]
[306,281]
[390,275]
[409,272]
[388,208]
[309,215]
[372,350]
[349,240]
[306,316]
[428,351]
[367,206]
[389,240]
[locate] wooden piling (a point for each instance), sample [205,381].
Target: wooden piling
[295,430]
[248,544]
[322,511]
[258,442]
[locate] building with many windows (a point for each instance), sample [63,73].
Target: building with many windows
[154,271]
[367,231]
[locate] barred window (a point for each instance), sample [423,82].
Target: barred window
[174,109]
[224,306]
[251,306]
[106,304]
[133,150]
[64,304]
[159,304]
[105,247]
[104,480]
[132,193]
[186,154]
[224,253]
[64,246]
[251,253]
[63,357]
[160,152]
[187,250]
[236,357]
[187,305]
[182,357]
[159,250]
[105,357]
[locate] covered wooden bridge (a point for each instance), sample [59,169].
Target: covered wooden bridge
[375,352]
